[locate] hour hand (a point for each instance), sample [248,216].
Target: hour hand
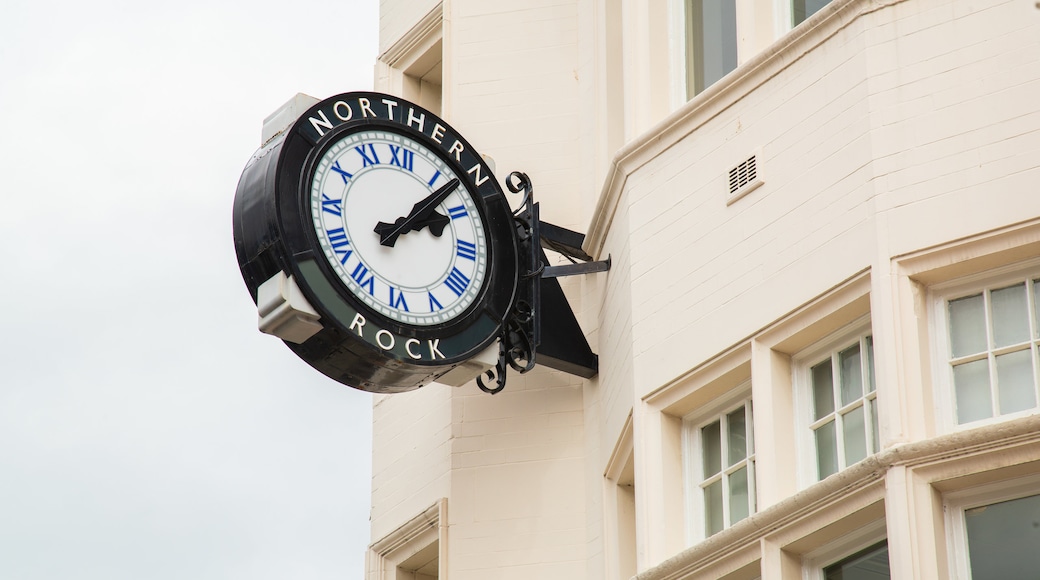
[388,233]
[423,214]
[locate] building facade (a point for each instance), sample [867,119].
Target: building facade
[819,339]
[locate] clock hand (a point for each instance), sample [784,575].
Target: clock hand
[423,214]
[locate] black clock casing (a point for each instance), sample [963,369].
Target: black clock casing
[390,149]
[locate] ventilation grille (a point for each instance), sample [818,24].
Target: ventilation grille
[742,174]
[743,178]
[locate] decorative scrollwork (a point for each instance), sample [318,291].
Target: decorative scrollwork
[518,340]
[498,375]
[523,183]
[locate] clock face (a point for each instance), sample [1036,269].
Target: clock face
[399,227]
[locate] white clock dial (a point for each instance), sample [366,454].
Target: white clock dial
[425,273]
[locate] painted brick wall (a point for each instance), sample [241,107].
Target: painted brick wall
[411,458]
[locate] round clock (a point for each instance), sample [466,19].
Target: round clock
[398,227]
[390,246]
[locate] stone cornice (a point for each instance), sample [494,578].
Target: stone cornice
[426,29]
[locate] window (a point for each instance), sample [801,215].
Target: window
[711,42]
[854,550]
[1002,539]
[721,466]
[869,564]
[991,349]
[995,530]
[801,10]
[843,401]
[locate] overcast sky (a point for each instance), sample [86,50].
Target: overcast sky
[147,429]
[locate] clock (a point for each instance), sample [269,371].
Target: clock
[377,244]
[398,227]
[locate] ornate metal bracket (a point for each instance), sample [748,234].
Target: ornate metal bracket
[522,333]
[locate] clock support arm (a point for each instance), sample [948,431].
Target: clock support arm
[543,328]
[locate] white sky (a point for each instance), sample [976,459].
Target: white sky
[147,429]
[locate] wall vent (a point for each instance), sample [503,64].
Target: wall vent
[744,178]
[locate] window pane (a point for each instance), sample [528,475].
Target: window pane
[967,325]
[971,383]
[738,495]
[750,418]
[874,420]
[870,364]
[802,9]
[823,390]
[1010,315]
[851,375]
[737,436]
[854,432]
[1036,303]
[711,441]
[1003,539]
[1015,382]
[712,41]
[870,564]
[713,508]
[826,450]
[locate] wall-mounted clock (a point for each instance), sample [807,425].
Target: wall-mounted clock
[376,243]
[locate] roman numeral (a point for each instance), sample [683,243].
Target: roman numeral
[457,212]
[365,159]
[434,305]
[466,250]
[340,244]
[359,276]
[333,206]
[457,282]
[397,301]
[342,173]
[402,157]
[436,174]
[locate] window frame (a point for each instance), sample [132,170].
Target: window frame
[411,66]
[957,503]
[425,532]
[828,348]
[694,484]
[681,41]
[983,282]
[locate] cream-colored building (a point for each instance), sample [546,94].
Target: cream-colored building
[818,339]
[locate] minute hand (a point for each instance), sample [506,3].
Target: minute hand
[418,218]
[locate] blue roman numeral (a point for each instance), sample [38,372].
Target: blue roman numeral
[457,212]
[365,159]
[434,305]
[467,250]
[342,173]
[333,206]
[457,282]
[402,157]
[359,276]
[436,174]
[340,244]
[397,300]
